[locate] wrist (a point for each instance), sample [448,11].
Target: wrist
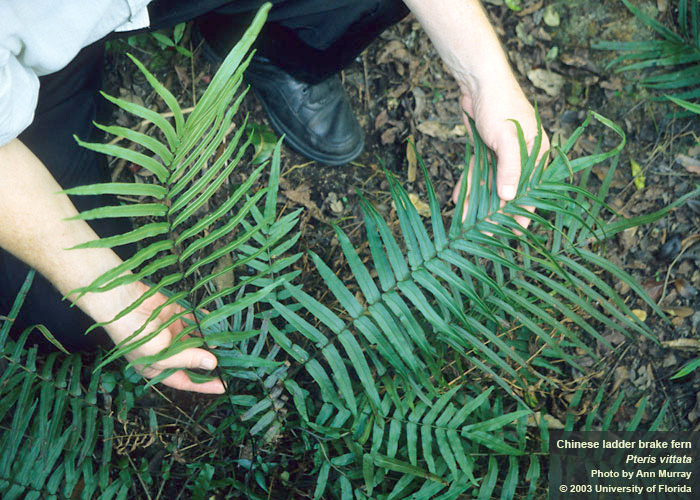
[104,306]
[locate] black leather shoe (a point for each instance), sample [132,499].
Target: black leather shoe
[317,120]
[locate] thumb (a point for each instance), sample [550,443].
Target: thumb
[508,174]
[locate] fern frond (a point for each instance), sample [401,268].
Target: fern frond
[192,164]
[53,430]
[675,56]
[463,297]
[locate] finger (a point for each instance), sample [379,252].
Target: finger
[522,220]
[508,174]
[179,380]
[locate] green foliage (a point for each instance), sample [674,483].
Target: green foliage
[194,159]
[515,5]
[413,379]
[173,42]
[674,58]
[56,440]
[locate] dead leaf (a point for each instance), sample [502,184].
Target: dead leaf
[398,91]
[637,175]
[684,344]
[614,83]
[302,196]
[677,321]
[669,360]
[577,61]
[411,158]
[689,163]
[422,207]
[434,128]
[654,288]
[396,50]
[628,237]
[694,414]
[183,75]
[130,97]
[529,9]
[525,36]
[685,289]
[420,100]
[621,376]
[551,16]
[689,241]
[381,119]
[389,136]
[641,314]
[533,420]
[617,181]
[680,312]
[549,81]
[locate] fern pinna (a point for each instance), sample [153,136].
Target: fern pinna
[415,381]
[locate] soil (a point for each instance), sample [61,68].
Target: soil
[401,90]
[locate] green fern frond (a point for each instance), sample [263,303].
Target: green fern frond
[675,57]
[52,426]
[179,244]
[454,297]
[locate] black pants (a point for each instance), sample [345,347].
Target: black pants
[309,38]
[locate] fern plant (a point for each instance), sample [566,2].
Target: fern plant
[451,311]
[414,381]
[193,162]
[674,58]
[57,441]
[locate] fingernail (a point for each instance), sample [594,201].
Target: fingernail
[207,364]
[508,192]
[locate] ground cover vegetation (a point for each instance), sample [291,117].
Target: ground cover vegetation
[426,365]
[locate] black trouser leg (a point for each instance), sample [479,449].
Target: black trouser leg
[311,39]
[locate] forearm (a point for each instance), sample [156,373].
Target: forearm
[34,227]
[466,42]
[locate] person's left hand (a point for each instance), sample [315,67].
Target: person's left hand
[493,111]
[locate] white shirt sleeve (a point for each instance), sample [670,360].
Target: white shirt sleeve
[19,92]
[39,37]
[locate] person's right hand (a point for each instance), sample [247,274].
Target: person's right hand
[192,358]
[494,114]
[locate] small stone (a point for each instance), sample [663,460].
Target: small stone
[695,319]
[677,321]
[685,268]
[669,360]
[694,414]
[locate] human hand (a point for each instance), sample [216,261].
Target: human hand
[494,109]
[192,358]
